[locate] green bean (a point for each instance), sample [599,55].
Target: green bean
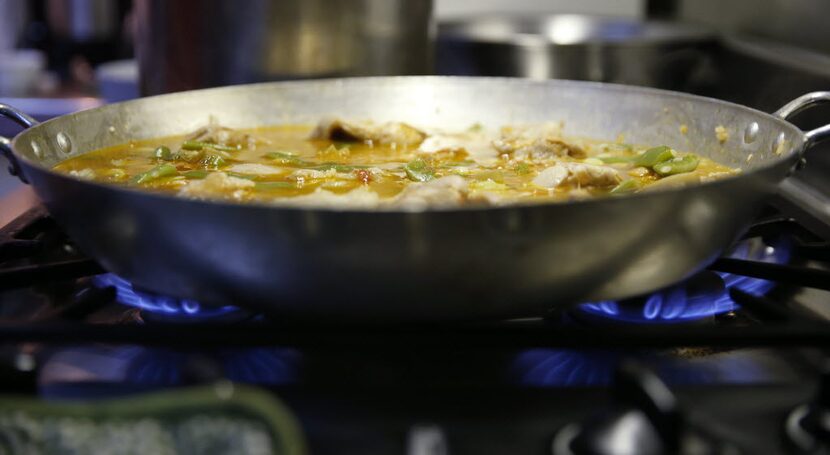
[196,174]
[617,159]
[273,185]
[164,153]
[242,176]
[286,159]
[522,169]
[162,170]
[213,161]
[199,145]
[654,156]
[463,163]
[418,170]
[337,167]
[628,186]
[680,165]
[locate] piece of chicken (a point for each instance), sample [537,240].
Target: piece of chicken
[577,174]
[446,191]
[217,185]
[359,198]
[218,134]
[386,134]
[536,143]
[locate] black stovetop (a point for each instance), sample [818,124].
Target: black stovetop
[739,346]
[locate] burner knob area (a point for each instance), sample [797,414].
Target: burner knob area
[808,426]
[644,421]
[808,429]
[622,432]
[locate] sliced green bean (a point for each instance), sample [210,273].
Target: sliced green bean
[628,186]
[213,161]
[199,145]
[286,158]
[338,167]
[164,153]
[162,170]
[273,185]
[680,165]
[418,170]
[196,174]
[617,159]
[242,176]
[654,156]
[522,169]
[463,163]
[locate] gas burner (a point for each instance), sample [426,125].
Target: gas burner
[164,307]
[695,300]
[551,368]
[69,372]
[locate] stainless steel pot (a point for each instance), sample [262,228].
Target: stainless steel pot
[189,44]
[570,46]
[438,264]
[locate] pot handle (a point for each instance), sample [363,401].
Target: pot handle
[23,120]
[803,102]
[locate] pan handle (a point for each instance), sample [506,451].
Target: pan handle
[23,120]
[801,103]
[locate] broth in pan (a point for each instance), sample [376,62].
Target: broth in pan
[391,166]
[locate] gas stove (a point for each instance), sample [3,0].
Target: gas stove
[730,361]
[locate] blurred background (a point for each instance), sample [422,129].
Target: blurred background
[59,56]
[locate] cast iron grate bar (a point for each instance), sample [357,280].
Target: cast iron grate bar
[392,337]
[818,251]
[760,308]
[771,225]
[781,273]
[27,275]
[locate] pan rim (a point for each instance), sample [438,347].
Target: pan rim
[795,149]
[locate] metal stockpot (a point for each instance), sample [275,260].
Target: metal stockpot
[189,44]
[569,46]
[438,264]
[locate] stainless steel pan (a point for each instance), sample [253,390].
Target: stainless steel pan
[440,264]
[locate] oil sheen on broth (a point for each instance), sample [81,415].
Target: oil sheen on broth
[365,165]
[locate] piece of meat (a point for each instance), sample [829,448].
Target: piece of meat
[477,145]
[315,174]
[535,143]
[446,191]
[551,177]
[386,134]
[218,134]
[83,174]
[359,198]
[578,174]
[255,169]
[592,175]
[217,185]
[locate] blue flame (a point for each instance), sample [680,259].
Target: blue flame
[271,366]
[585,368]
[679,303]
[159,304]
[162,367]
[563,368]
[154,367]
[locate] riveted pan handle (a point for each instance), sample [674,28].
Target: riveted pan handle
[803,102]
[23,120]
